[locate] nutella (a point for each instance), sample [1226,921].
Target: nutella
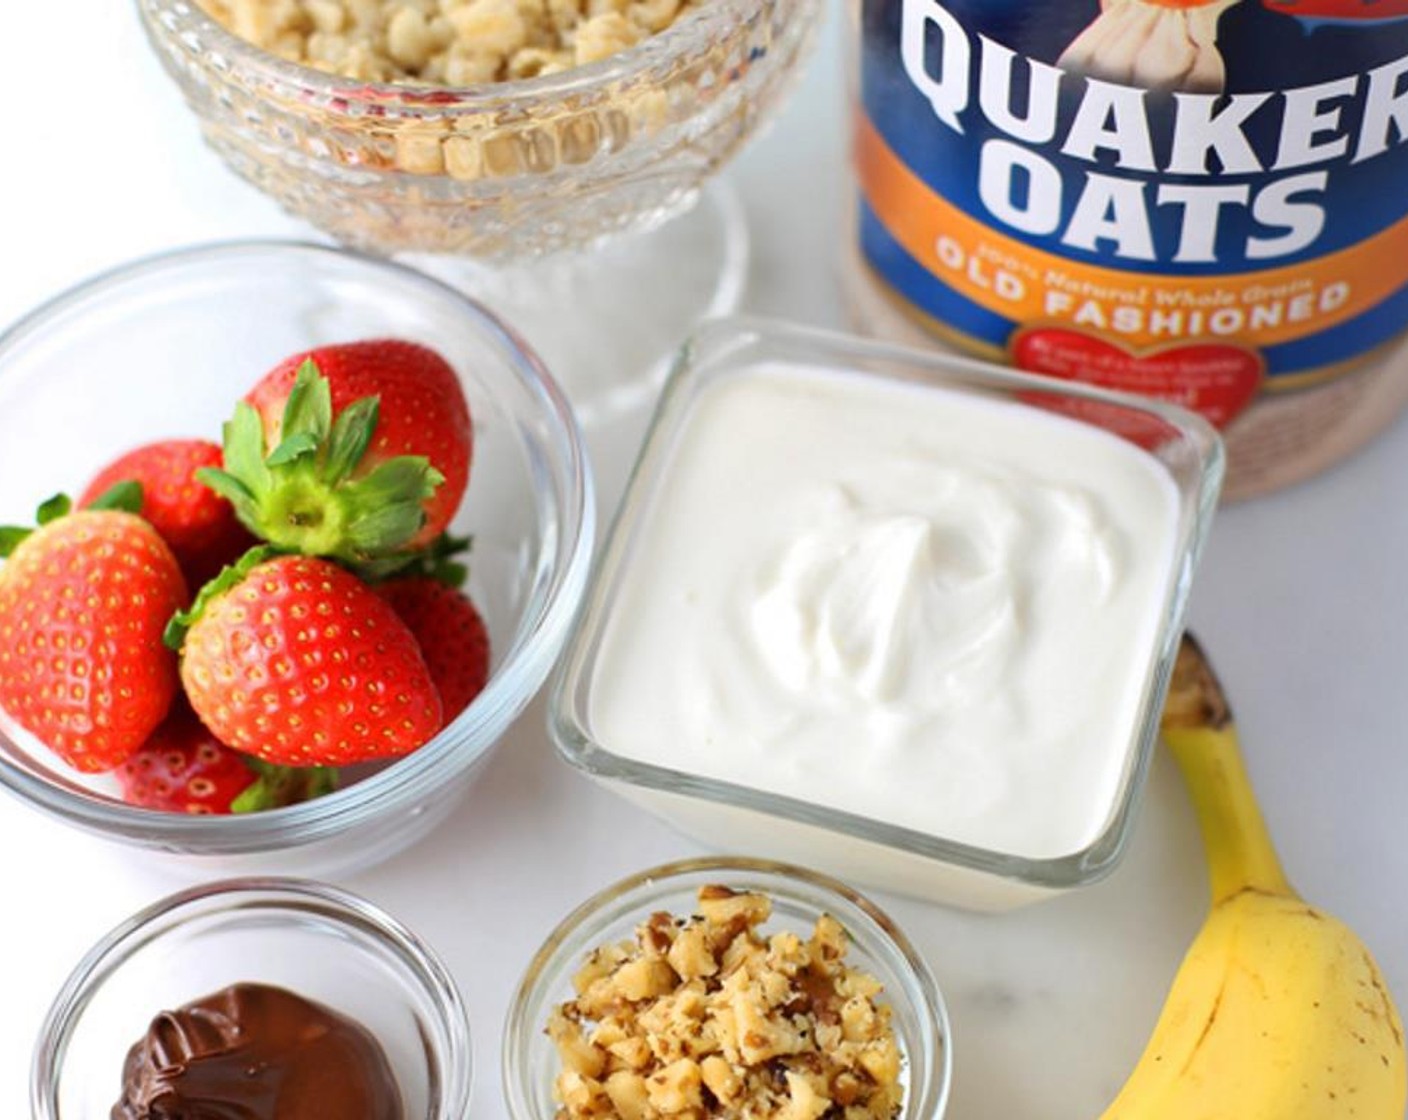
[255,1052]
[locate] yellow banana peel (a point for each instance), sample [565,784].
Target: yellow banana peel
[1278,1011]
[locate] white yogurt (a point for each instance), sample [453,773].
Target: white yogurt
[912,604]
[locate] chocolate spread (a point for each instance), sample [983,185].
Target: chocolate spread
[254,1052]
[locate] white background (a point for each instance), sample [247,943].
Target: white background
[1301,600]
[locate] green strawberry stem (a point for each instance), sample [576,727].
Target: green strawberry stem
[124,496]
[277,786]
[305,515]
[11,537]
[230,576]
[441,560]
[306,495]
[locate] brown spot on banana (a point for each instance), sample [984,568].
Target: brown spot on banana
[1195,697]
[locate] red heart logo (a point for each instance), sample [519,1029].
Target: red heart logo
[1216,379]
[1358,10]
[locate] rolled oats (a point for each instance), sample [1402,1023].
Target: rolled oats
[707,1017]
[440,42]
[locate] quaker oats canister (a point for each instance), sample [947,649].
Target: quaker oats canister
[1203,200]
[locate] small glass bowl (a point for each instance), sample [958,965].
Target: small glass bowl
[862,848]
[500,171]
[799,897]
[164,348]
[320,942]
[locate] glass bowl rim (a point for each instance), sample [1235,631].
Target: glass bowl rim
[699,26]
[574,742]
[262,893]
[536,639]
[923,990]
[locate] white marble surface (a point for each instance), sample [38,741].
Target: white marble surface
[1301,600]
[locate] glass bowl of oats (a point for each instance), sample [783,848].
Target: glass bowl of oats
[538,149]
[730,988]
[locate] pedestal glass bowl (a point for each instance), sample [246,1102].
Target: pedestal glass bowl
[527,180]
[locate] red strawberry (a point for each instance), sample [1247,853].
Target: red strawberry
[183,768]
[198,524]
[298,662]
[358,452]
[83,602]
[453,638]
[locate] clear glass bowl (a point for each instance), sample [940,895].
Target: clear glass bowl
[799,897]
[500,171]
[856,847]
[320,942]
[163,348]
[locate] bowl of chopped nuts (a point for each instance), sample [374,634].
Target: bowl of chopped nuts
[500,132]
[729,988]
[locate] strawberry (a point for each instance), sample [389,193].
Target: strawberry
[296,661]
[83,602]
[358,452]
[183,768]
[198,524]
[453,638]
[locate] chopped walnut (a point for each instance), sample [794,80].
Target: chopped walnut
[445,42]
[710,1018]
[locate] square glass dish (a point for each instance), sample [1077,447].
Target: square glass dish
[903,616]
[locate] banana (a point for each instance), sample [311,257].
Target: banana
[1278,1012]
